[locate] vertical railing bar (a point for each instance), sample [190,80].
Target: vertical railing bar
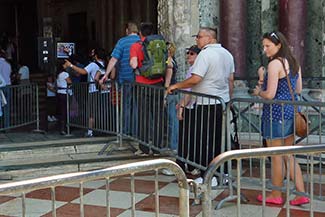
[108,204]
[81,194]
[133,194]
[156,194]
[53,198]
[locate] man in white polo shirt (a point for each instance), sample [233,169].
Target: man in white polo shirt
[212,74]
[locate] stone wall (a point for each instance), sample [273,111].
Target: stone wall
[178,21]
[314,39]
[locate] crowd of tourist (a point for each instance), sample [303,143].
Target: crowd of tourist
[211,72]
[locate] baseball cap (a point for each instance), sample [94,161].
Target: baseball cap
[194,48]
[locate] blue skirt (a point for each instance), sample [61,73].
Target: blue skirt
[280,129]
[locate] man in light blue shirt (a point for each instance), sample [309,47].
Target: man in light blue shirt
[120,58]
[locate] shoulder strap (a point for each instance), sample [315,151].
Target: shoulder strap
[288,80]
[99,65]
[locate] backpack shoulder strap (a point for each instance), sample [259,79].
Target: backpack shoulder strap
[99,65]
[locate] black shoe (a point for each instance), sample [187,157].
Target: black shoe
[144,149]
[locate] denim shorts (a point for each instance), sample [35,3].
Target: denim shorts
[280,129]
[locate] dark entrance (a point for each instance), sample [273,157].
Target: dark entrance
[18,20]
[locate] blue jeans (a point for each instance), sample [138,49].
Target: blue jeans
[129,110]
[280,129]
[172,121]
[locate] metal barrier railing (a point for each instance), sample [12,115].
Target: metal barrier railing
[250,110]
[249,122]
[151,120]
[24,187]
[95,110]
[21,108]
[144,114]
[262,154]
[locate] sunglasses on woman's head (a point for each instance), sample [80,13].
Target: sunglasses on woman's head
[274,35]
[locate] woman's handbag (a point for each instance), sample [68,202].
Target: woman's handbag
[301,121]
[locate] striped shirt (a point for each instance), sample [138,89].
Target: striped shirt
[122,53]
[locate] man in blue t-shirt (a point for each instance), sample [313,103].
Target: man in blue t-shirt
[120,59]
[121,55]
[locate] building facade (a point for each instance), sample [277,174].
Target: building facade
[241,25]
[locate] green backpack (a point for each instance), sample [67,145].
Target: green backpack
[155,57]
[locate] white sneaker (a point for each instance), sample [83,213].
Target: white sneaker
[49,119]
[54,118]
[198,180]
[214,181]
[167,172]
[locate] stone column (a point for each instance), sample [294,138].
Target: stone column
[233,32]
[314,38]
[293,17]
[209,13]
[177,21]
[323,41]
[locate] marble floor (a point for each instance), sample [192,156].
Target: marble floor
[38,203]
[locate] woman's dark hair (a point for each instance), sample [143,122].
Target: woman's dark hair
[284,51]
[101,53]
[59,66]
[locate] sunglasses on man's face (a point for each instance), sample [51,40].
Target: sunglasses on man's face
[190,53]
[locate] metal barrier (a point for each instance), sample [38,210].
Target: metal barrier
[150,118]
[52,182]
[250,109]
[95,110]
[21,108]
[249,122]
[262,154]
[144,114]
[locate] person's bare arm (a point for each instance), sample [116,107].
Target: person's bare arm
[111,64]
[68,80]
[274,68]
[113,74]
[75,68]
[260,73]
[190,82]
[169,72]
[231,85]
[51,88]
[134,62]
[299,83]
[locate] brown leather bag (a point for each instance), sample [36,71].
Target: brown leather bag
[301,120]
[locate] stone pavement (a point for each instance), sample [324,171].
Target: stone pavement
[38,203]
[68,200]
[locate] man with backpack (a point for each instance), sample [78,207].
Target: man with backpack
[148,59]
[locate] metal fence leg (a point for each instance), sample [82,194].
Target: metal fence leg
[117,145]
[37,130]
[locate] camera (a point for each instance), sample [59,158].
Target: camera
[251,91]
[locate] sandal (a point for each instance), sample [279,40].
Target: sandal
[271,200]
[299,201]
